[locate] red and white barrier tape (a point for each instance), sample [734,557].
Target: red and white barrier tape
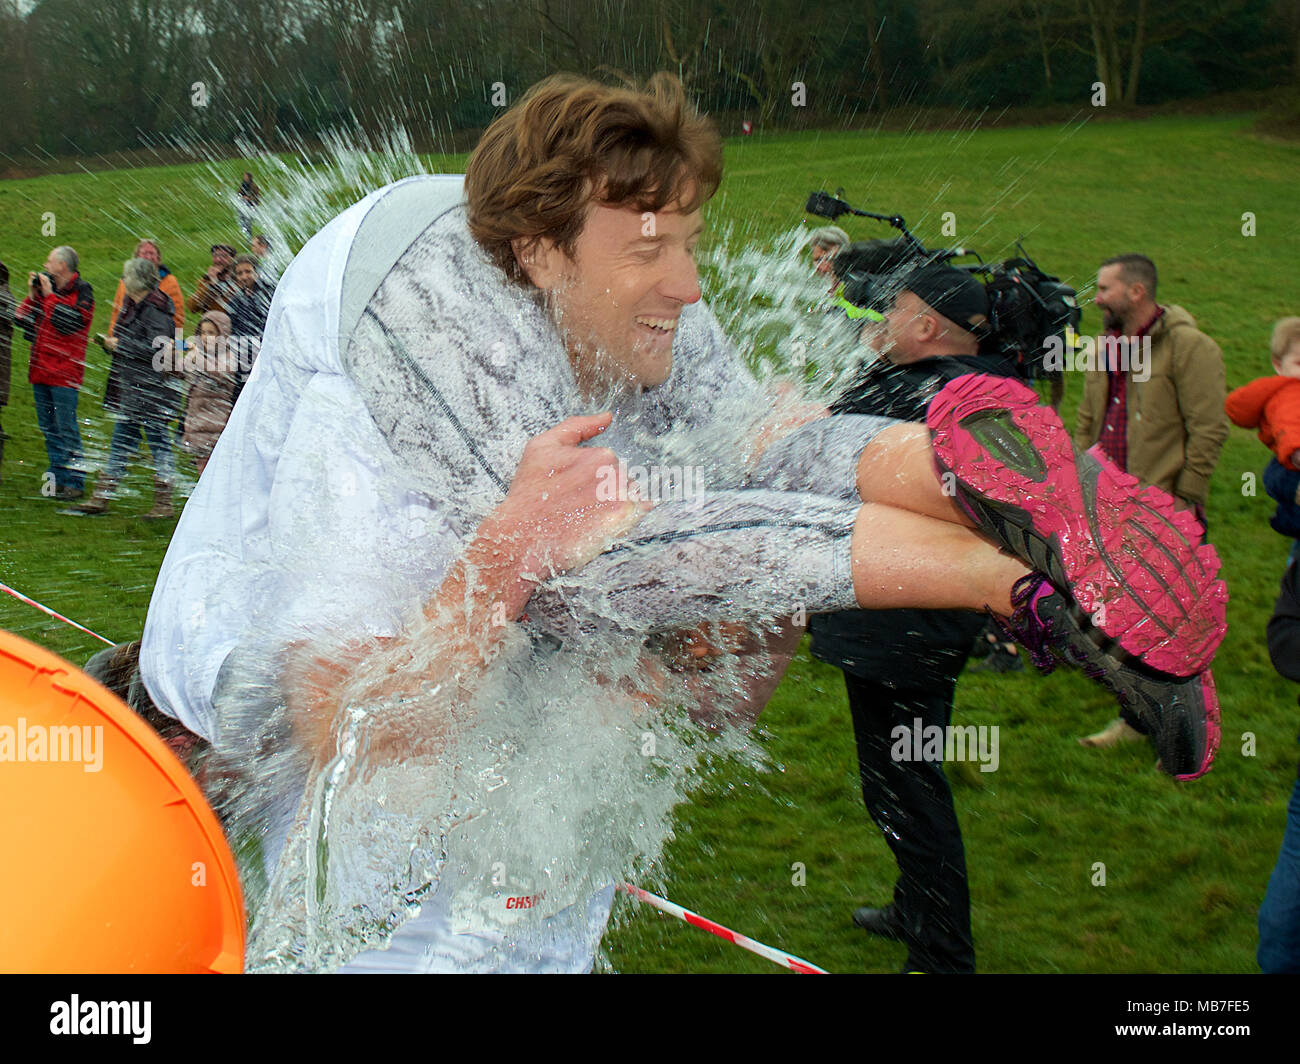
[777,956]
[57,616]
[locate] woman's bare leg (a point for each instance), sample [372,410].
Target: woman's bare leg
[897,469]
[903,559]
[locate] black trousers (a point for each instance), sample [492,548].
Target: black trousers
[911,803]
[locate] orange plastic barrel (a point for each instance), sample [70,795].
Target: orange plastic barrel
[110,858]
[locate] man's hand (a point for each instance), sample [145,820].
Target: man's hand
[41,283]
[1197,509]
[553,518]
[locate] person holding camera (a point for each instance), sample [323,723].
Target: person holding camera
[139,393]
[901,666]
[55,317]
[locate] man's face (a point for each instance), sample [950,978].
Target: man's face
[260,247]
[221,258]
[822,260]
[619,297]
[146,250]
[245,275]
[896,337]
[57,269]
[1289,365]
[1114,296]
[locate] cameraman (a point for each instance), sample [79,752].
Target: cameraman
[901,666]
[55,317]
[823,245]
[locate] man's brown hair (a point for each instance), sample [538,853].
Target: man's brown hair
[1136,269]
[569,139]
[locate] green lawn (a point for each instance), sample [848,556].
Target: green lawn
[1186,866]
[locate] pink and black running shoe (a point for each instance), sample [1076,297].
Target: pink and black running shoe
[1130,562]
[1179,716]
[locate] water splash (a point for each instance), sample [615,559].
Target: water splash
[521,789]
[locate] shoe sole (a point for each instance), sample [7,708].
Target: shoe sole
[1123,553]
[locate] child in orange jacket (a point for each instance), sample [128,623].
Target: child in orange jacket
[1272,405]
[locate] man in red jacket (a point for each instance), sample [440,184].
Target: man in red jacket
[56,318]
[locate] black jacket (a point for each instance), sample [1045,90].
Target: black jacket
[921,650]
[139,382]
[248,313]
[248,310]
[1284,627]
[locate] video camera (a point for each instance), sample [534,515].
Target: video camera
[1026,305]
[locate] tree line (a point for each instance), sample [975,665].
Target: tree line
[82,76]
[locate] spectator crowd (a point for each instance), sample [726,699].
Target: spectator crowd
[172,389]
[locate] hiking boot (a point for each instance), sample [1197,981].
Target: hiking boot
[1126,557]
[883,922]
[162,502]
[98,501]
[1180,715]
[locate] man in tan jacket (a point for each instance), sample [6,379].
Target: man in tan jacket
[1153,402]
[1158,414]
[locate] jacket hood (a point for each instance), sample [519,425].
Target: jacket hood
[1172,318]
[220,319]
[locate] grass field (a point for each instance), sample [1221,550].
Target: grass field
[1185,866]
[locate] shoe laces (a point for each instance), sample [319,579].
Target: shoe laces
[1025,626]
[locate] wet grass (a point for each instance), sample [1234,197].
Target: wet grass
[1185,866]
